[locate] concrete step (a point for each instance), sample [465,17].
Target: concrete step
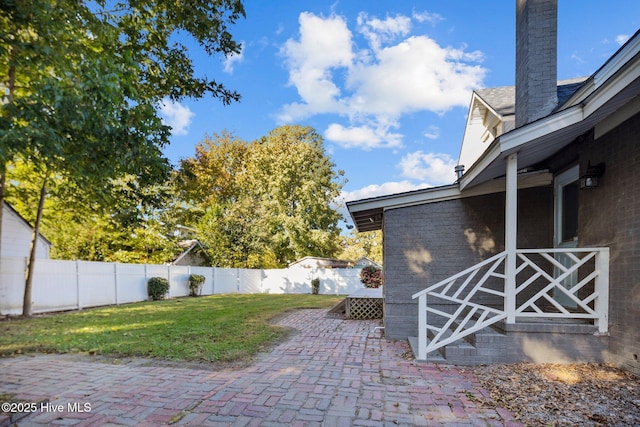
[484,346]
[555,341]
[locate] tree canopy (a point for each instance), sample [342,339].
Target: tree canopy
[82,82]
[356,245]
[264,203]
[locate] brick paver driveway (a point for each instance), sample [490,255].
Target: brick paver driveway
[333,372]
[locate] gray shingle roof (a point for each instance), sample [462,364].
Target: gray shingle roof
[503,99]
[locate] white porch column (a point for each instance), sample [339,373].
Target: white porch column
[510,234]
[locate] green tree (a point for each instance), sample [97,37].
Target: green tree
[357,245]
[136,225]
[83,81]
[220,205]
[295,184]
[265,203]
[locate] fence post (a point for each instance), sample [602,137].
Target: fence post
[115,280]
[78,285]
[146,279]
[169,279]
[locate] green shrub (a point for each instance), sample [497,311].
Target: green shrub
[315,286]
[372,277]
[195,284]
[157,288]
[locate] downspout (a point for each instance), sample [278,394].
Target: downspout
[510,237]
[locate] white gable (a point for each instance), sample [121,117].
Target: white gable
[16,236]
[491,114]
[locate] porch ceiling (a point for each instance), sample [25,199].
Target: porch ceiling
[368,220]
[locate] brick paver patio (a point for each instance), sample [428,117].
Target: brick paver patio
[333,372]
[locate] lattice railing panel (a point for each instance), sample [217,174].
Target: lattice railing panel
[364,308]
[564,283]
[558,283]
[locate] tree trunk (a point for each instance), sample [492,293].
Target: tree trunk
[26,303]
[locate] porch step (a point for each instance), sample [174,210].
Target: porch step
[542,341]
[482,347]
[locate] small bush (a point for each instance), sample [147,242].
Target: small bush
[372,277]
[315,286]
[157,288]
[195,284]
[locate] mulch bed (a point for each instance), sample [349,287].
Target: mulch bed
[563,395]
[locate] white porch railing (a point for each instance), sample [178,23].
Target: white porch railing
[550,283]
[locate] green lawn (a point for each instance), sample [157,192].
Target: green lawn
[218,328]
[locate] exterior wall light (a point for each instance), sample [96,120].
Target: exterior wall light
[591,177]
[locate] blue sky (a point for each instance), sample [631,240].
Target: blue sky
[387,84]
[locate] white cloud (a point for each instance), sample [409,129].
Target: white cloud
[577,58]
[378,31]
[324,44]
[175,115]
[231,60]
[432,133]
[622,39]
[375,190]
[432,18]
[372,87]
[364,137]
[414,75]
[437,169]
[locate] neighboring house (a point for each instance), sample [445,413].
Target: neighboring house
[16,236]
[194,254]
[317,262]
[534,253]
[365,262]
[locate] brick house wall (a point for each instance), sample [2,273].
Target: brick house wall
[610,216]
[427,243]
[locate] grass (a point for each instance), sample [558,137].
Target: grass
[218,328]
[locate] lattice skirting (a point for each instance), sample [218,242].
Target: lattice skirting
[364,308]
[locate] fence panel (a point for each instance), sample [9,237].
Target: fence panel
[12,285]
[298,281]
[226,280]
[55,285]
[338,281]
[207,272]
[250,281]
[64,285]
[97,284]
[132,283]
[179,280]
[274,281]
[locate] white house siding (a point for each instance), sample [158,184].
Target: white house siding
[16,236]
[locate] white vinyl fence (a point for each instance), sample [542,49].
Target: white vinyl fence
[68,285]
